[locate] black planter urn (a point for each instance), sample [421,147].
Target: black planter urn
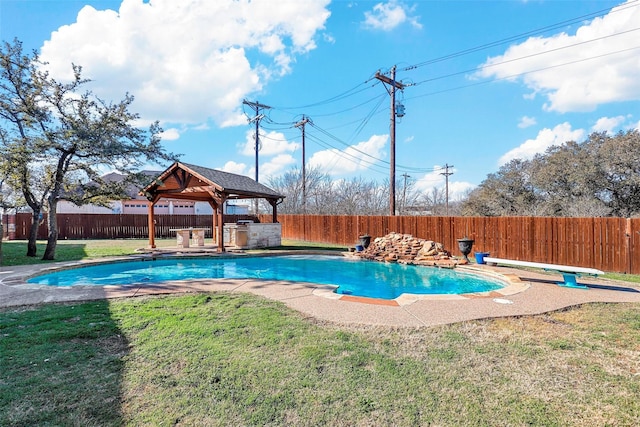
[365,240]
[465,246]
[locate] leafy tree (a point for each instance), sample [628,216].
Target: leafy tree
[598,177]
[508,192]
[619,161]
[567,179]
[58,138]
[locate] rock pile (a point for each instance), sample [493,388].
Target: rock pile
[404,248]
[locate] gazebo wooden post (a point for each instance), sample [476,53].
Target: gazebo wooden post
[274,207]
[214,229]
[220,215]
[152,224]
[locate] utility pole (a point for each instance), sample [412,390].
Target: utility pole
[404,191]
[446,174]
[301,125]
[392,152]
[256,106]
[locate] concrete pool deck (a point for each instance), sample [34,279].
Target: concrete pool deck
[528,293]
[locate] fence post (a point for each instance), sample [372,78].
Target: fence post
[11,227]
[627,244]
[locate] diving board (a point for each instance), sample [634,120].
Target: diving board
[569,273]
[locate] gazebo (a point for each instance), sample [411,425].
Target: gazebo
[197,183]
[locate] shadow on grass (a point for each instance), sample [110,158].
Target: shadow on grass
[14,252]
[61,365]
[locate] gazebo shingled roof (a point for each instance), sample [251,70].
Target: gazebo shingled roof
[197,183]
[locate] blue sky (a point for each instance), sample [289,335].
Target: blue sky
[486,81]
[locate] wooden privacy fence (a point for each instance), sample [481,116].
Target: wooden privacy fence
[609,244]
[111,226]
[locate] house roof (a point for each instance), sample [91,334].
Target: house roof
[132,190]
[193,182]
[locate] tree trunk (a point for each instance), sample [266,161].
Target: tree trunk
[1,237]
[33,233]
[52,235]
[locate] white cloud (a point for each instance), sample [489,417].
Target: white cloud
[608,124]
[431,180]
[271,144]
[458,190]
[170,134]
[526,122]
[186,61]
[351,159]
[276,165]
[602,57]
[329,38]
[409,139]
[387,16]
[237,168]
[545,139]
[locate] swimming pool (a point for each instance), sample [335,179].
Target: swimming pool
[352,276]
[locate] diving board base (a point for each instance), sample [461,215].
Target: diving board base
[571,282]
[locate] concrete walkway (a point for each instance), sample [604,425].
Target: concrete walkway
[527,293]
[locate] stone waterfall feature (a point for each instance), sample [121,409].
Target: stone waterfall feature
[404,248]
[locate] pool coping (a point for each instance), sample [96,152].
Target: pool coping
[526,293]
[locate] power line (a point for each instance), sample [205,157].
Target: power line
[361,87]
[495,64]
[350,108]
[370,165]
[523,73]
[520,36]
[374,111]
[338,97]
[376,159]
[400,167]
[358,88]
[366,119]
[347,156]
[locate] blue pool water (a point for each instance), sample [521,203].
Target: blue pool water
[352,276]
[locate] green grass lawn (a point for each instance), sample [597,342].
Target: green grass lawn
[229,359]
[13,252]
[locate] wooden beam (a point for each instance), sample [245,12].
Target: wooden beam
[214,231]
[274,210]
[152,224]
[182,177]
[221,226]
